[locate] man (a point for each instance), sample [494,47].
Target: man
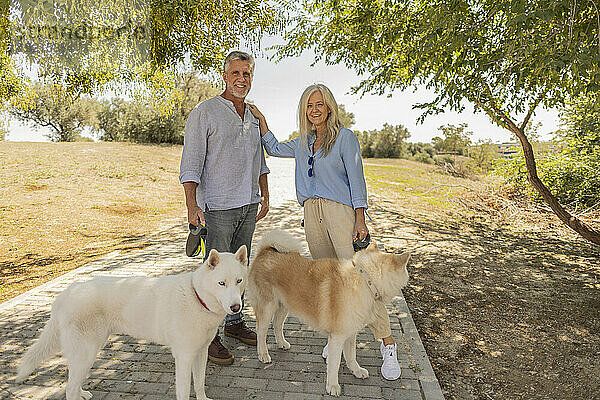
[222,169]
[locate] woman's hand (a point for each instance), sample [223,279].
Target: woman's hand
[261,118]
[255,111]
[360,227]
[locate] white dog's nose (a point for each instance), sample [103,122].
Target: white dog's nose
[235,307]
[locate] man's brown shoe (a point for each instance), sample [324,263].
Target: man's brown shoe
[242,332]
[218,353]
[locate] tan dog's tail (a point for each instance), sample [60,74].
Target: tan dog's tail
[281,241]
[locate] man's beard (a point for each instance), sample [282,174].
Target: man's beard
[239,93]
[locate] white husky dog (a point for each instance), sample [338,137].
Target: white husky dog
[333,296]
[181,311]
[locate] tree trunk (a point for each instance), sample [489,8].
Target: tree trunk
[571,221]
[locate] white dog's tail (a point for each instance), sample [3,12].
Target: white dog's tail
[281,241]
[47,345]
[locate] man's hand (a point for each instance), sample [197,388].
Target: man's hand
[195,214]
[264,208]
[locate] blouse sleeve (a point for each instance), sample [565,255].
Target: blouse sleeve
[277,149]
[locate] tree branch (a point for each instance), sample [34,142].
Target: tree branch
[530,113]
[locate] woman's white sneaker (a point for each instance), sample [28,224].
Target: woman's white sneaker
[390,369]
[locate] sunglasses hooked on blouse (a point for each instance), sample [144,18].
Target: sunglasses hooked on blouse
[310,169]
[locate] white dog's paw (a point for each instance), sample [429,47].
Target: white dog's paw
[264,357]
[284,345]
[85,395]
[334,390]
[360,372]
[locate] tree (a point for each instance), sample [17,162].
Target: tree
[54,106]
[581,117]
[483,154]
[388,142]
[113,39]
[9,81]
[346,118]
[134,121]
[193,90]
[505,57]
[3,129]
[456,139]
[157,114]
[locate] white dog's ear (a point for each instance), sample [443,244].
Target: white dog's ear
[242,255]
[213,259]
[403,259]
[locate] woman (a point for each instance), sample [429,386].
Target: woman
[330,185]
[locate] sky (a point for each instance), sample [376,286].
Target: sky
[277,87]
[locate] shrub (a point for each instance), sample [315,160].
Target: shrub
[573,178]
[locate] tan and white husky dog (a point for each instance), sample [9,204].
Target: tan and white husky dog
[333,296]
[181,311]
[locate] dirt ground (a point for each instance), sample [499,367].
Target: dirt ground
[65,204]
[505,298]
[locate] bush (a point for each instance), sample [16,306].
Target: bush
[423,157]
[573,178]
[571,170]
[122,121]
[390,142]
[483,156]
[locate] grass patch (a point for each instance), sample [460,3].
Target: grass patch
[66,204]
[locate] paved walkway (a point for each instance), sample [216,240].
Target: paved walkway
[132,369]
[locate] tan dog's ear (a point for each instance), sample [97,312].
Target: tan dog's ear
[402,259]
[213,259]
[242,255]
[372,246]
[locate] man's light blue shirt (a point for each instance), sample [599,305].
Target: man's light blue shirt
[338,176]
[223,154]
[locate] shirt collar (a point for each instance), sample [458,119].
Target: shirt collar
[229,104]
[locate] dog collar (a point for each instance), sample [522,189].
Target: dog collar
[201,302]
[367,279]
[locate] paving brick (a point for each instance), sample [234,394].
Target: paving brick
[285,386]
[263,395]
[150,388]
[362,391]
[401,394]
[302,396]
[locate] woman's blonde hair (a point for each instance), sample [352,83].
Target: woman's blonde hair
[306,128]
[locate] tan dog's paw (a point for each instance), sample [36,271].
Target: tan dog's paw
[284,345]
[334,390]
[361,373]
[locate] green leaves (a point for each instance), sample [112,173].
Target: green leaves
[501,55]
[110,40]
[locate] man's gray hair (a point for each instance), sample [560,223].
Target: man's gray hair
[238,55]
